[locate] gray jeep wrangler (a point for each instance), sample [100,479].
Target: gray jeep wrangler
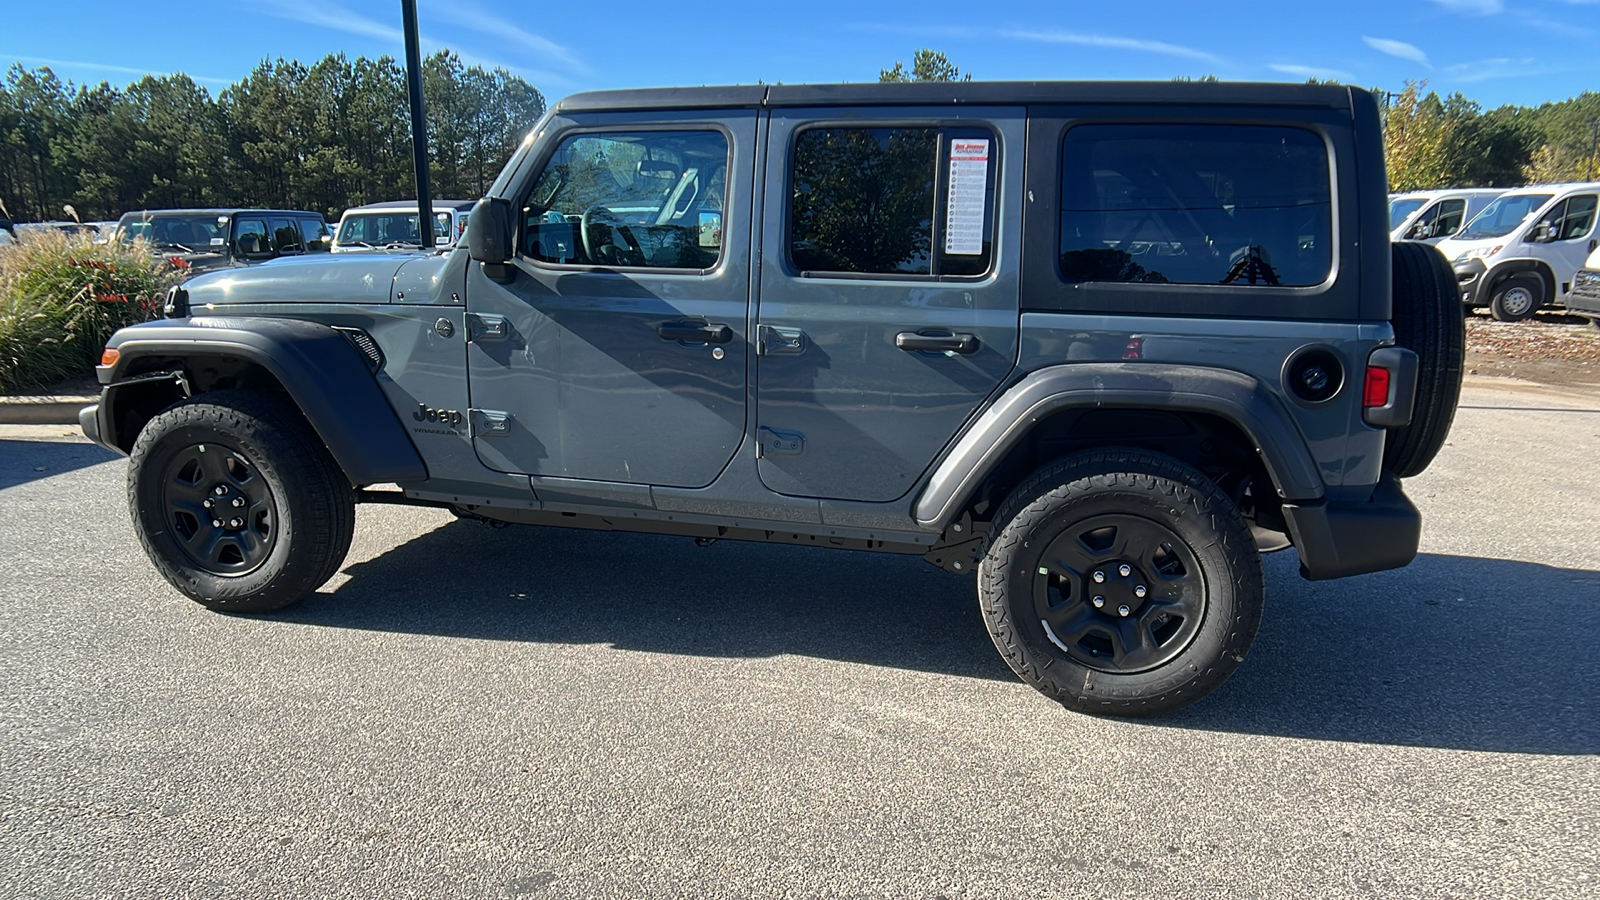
[1101,345]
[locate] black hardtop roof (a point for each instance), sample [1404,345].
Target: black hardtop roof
[218,211]
[988,93]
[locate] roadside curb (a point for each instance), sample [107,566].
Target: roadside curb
[48,409]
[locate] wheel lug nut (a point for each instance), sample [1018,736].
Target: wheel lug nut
[207,504]
[1099,577]
[1124,570]
[1098,602]
[1123,610]
[216,523]
[235,523]
[1140,592]
[220,490]
[239,501]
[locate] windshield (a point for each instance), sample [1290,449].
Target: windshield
[191,234]
[386,229]
[1503,216]
[1400,209]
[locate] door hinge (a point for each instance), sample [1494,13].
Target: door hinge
[773,340]
[775,442]
[489,422]
[483,328]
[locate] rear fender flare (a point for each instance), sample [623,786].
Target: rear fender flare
[1233,396]
[326,377]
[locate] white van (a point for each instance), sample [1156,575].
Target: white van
[1432,216]
[1523,250]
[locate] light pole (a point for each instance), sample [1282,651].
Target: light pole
[419,125]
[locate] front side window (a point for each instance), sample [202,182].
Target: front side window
[892,201]
[1195,204]
[250,237]
[1502,216]
[315,233]
[642,199]
[1448,220]
[1575,220]
[286,237]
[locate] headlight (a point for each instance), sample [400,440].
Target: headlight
[1479,253]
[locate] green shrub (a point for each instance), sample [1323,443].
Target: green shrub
[62,295]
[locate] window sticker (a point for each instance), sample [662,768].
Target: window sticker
[969,179]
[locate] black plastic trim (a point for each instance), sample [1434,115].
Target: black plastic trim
[1234,396]
[324,374]
[1336,540]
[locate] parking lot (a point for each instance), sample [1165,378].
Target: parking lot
[469,712]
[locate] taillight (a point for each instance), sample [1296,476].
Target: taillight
[1376,392]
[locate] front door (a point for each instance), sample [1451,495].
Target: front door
[889,291]
[1571,230]
[616,351]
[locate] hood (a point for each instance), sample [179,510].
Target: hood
[364,278]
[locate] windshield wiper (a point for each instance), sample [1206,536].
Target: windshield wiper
[177,246]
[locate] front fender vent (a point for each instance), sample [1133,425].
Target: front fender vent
[363,342]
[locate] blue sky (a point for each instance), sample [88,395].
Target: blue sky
[1494,51]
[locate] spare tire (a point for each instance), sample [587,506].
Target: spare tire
[1428,320]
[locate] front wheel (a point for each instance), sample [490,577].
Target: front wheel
[237,502]
[1517,298]
[1121,582]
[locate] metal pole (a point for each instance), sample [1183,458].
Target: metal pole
[419,124]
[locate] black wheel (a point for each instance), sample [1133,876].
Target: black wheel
[1121,582]
[1517,298]
[237,502]
[1430,321]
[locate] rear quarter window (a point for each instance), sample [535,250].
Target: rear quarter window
[1235,205]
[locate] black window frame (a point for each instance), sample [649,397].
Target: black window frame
[940,189]
[553,144]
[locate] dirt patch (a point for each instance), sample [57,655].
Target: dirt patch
[1548,348]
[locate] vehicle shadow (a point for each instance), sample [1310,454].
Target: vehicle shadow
[1452,652]
[24,461]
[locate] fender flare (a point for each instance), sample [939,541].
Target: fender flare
[1492,278]
[325,376]
[1234,396]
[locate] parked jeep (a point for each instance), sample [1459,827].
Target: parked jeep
[1099,344]
[203,239]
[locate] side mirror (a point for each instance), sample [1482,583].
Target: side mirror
[1420,232]
[1542,233]
[489,238]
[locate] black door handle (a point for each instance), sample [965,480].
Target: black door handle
[695,332]
[938,343]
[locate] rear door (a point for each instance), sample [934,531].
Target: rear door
[617,349]
[888,307]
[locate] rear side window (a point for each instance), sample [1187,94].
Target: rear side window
[892,201]
[286,237]
[1195,204]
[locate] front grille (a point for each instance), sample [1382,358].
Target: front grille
[1586,285]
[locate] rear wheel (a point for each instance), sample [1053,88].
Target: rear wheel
[237,502]
[1121,582]
[1517,298]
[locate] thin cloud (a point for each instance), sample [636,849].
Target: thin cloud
[327,15]
[1495,69]
[102,67]
[475,19]
[1314,72]
[1118,43]
[1473,7]
[1399,49]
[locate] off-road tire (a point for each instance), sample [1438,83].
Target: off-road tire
[309,504]
[1428,320]
[1517,298]
[1128,486]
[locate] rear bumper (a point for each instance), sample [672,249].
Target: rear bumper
[1340,539]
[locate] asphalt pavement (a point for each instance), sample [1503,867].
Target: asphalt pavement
[470,712]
